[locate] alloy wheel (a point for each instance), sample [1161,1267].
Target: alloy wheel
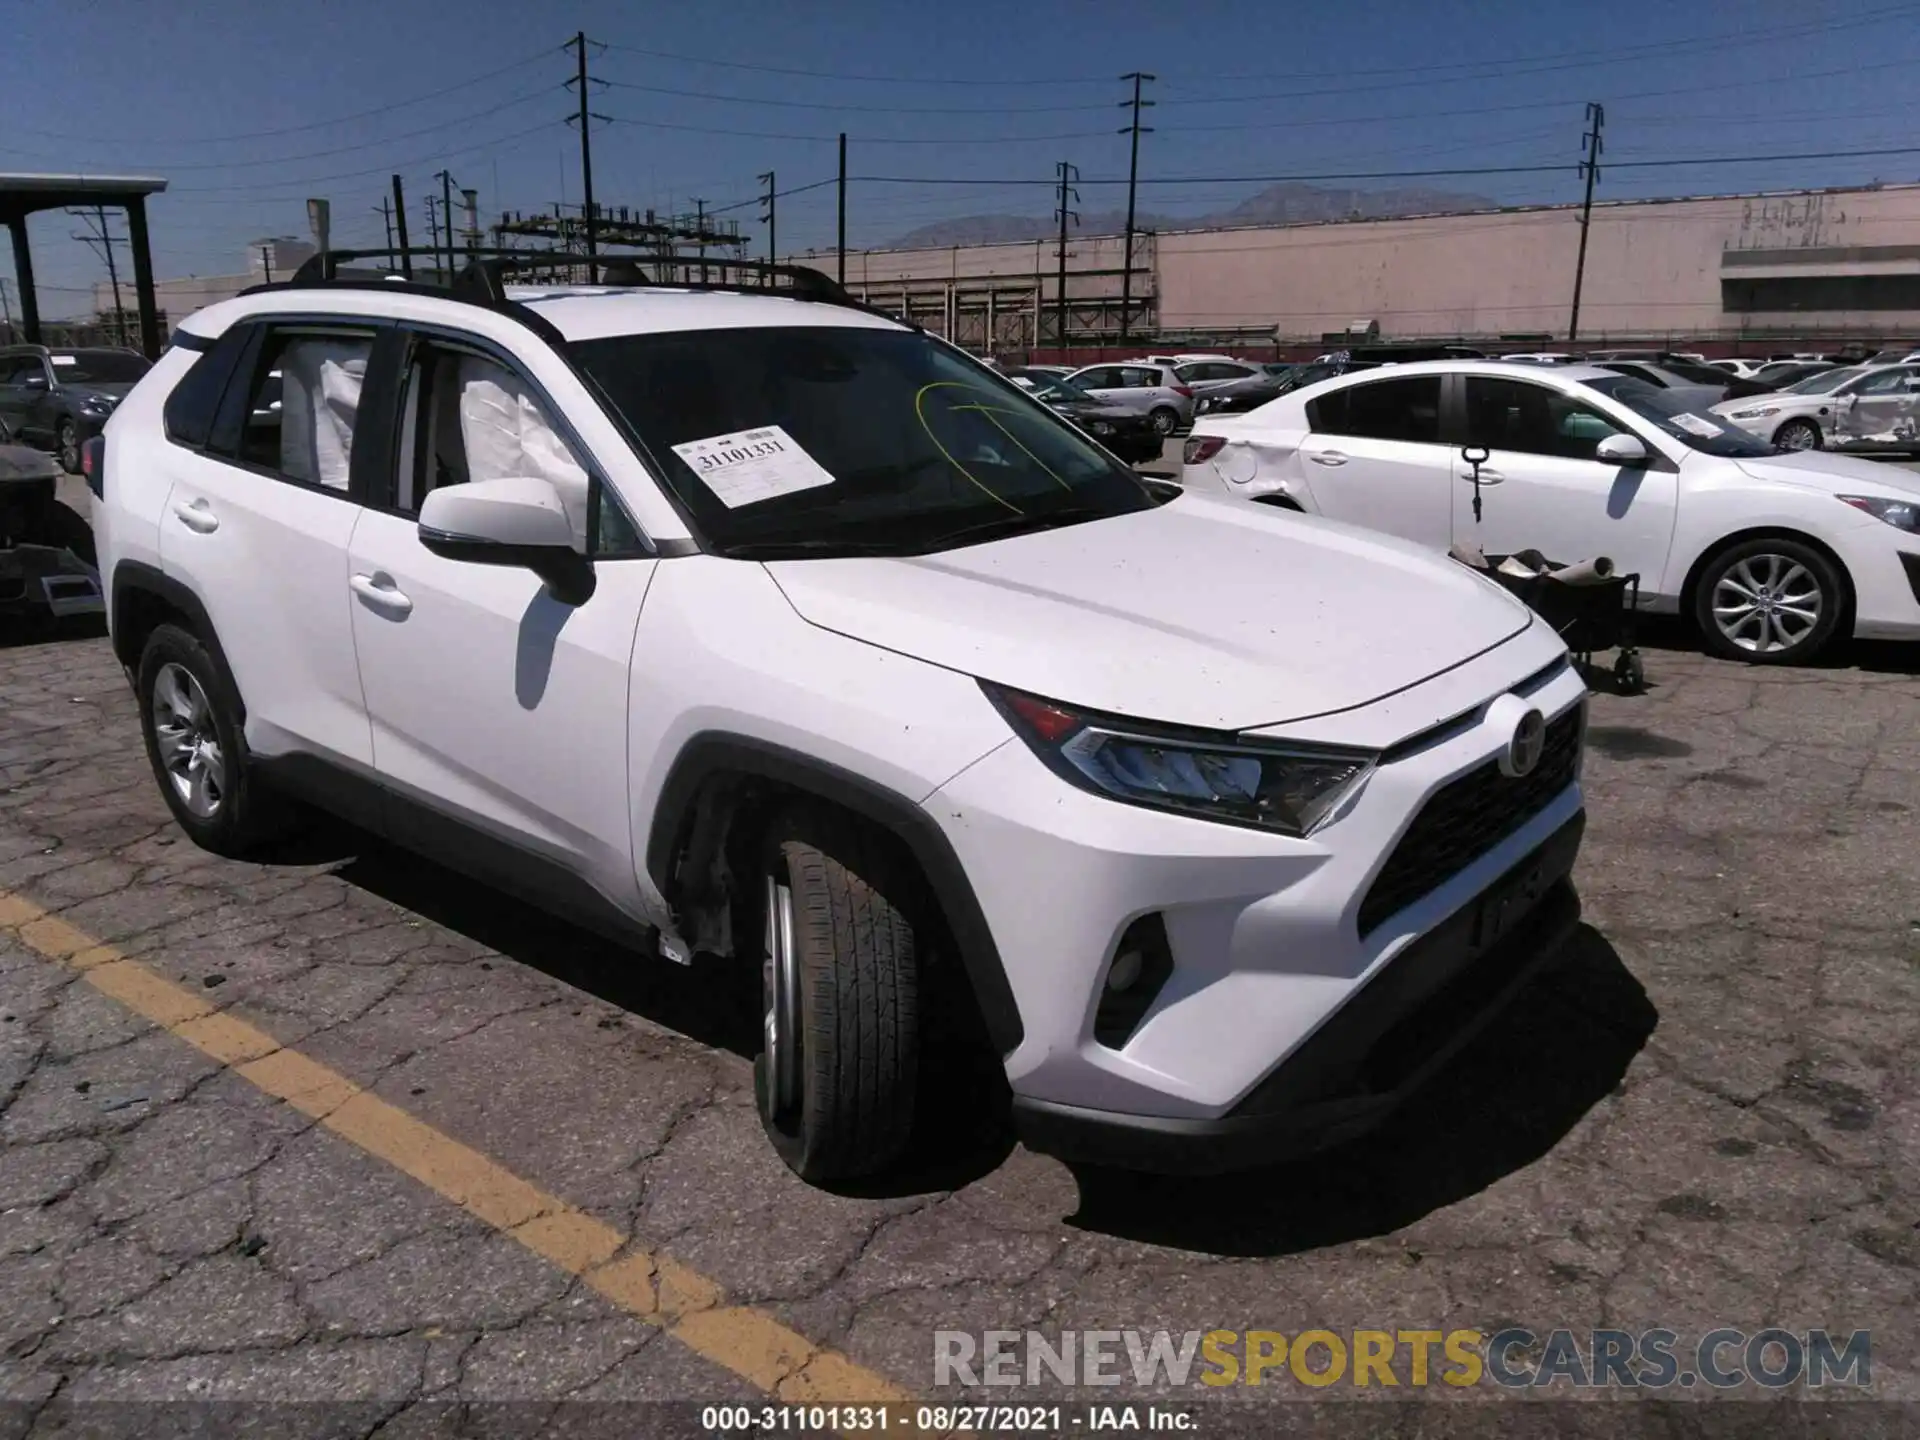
[1767,603]
[188,743]
[780,995]
[1797,437]
[69,448]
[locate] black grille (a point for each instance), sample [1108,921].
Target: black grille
[1466,820]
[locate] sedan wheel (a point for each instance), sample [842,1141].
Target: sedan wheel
[1164,420]
[1797,435]
[1769,602]
[69,447]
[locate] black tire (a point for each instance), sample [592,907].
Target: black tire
[849,1104]
[69,446]
[1798,435]
[247,813]
[1795,568]
[1165,419]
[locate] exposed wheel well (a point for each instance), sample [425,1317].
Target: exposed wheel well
[704,845]
[1689,591]
[1280,502]
[137,613]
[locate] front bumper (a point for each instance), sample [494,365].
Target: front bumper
[1384,1044]
[1257,941]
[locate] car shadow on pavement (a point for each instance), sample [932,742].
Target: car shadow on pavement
[1561,1047]
[963,1131]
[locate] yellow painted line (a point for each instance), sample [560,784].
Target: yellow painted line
[653,1287]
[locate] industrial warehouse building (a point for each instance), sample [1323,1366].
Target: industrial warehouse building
[1825,264]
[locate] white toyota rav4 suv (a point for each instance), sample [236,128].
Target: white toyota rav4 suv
[757,626]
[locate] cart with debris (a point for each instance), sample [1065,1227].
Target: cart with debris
[1589,605]
[45,571]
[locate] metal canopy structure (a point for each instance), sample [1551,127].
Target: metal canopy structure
[24,195]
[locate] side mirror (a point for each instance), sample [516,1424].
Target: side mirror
[515,520]
[36,381]
[1621,450]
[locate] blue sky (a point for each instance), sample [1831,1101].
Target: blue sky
[249,108]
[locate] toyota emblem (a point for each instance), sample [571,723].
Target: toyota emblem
[1523,751]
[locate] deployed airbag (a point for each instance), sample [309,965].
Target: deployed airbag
[321,382]
[505,431]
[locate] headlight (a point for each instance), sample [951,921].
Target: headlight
[1101,427]
[1760,414]
[1268,785]
[1901,514]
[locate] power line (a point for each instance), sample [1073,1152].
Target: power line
[544,93]
[858,109]
[545,54]
[378,169]
[864,139]
[1050,80]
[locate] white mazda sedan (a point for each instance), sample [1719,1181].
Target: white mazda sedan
[1773,555]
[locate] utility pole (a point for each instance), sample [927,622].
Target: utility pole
[843,210]
[101,240]
[1590,146]
[266,261]
[433,227]
[1068,174]
[400,225]
[766,205]
[386,218]
[585,121]
[700,228]
[1134,129]
[446,220]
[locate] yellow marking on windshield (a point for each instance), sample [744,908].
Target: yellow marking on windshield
[920,414]
[991,413]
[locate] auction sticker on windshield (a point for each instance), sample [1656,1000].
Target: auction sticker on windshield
[1694,425]
[752,465]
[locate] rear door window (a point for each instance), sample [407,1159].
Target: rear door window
[1405,409]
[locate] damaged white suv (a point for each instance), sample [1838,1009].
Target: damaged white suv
[762,629]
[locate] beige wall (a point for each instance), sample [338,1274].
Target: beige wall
[1653,267]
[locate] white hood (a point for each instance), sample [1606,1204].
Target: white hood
[1203,612]
[1833,474]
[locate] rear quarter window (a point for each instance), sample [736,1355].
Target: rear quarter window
[1407,409]
[189,411]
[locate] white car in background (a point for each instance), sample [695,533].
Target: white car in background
[1744,369]
[1772,555]
[1858,408]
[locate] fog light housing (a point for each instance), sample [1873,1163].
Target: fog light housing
[1141,966]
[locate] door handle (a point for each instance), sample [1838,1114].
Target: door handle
[1326,457]
[380,592]
[1487,477]
[196,515]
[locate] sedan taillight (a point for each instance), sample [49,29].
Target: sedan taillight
[1185,392]
[1201,448]
[93,465]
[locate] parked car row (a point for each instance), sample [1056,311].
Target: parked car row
[1770,552]
[58,399]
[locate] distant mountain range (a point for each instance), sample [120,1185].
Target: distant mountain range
[1289,204]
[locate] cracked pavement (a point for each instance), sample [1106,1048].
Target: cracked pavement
[1703,1113]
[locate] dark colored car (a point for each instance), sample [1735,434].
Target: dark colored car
[1128,434]
[58,399]
[1236,397]
[27,481]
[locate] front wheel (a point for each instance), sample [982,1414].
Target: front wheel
[1797,435]
[1165,419]
[69,437]
[1769,602]
[837,1075]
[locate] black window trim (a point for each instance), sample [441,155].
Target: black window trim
[1384,375]
[385,501]
[240,329]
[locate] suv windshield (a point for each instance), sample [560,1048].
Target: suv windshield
[849,440]
[97,367]
[1673,417]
